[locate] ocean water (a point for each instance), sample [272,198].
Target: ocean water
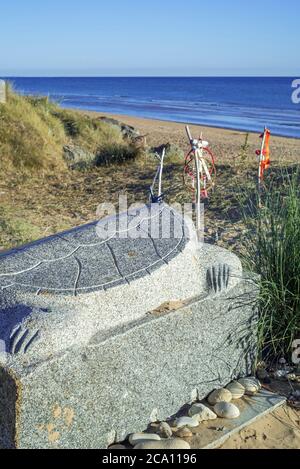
[234,103]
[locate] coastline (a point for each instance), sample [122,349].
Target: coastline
[179,122]
[227,143]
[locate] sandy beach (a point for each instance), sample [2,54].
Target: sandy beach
[225,143]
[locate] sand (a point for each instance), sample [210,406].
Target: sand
[279,430]
[226,144]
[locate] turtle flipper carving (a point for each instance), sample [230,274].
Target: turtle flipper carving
[218,277]
[21,339]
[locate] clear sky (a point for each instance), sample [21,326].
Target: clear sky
[149,37]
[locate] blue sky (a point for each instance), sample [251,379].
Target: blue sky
[149,37]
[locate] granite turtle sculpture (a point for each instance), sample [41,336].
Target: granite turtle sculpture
[111,325]
[107,273]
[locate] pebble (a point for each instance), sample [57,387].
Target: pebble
[227,410]
[184,433]
[174,443]
[202,412]
[251,385]
[280,374]
[219,395]
[236,389]
[164,430]
[257,382]
[136,438]
[293,377]
[117,447]
[191,422]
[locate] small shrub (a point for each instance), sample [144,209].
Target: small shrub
[116,154]
[245,148]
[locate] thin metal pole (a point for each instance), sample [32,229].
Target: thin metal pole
[161,173]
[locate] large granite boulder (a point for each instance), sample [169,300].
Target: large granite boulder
[103,334]
[127,131]
[77,158]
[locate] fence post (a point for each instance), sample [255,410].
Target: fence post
[2,92]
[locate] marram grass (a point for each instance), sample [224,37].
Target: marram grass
[34,131]
[272,250]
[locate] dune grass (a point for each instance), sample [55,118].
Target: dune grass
[28,139]
[272,245]
[34,131]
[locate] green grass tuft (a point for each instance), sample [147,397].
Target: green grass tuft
[273,251]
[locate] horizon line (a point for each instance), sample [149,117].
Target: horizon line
[149,76]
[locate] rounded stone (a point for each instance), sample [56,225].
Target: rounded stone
[236,389]
[136,438]
[292,377]
[202,413]
[117,447]
[251,385]
[164,430]
[184,433]
[174,443]
[219,395]
[226,410]
[191,422]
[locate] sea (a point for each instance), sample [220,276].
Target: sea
[240,103]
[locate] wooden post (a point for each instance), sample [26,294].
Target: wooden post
[2,92]
[198,159]
[189,133]
[198,198]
